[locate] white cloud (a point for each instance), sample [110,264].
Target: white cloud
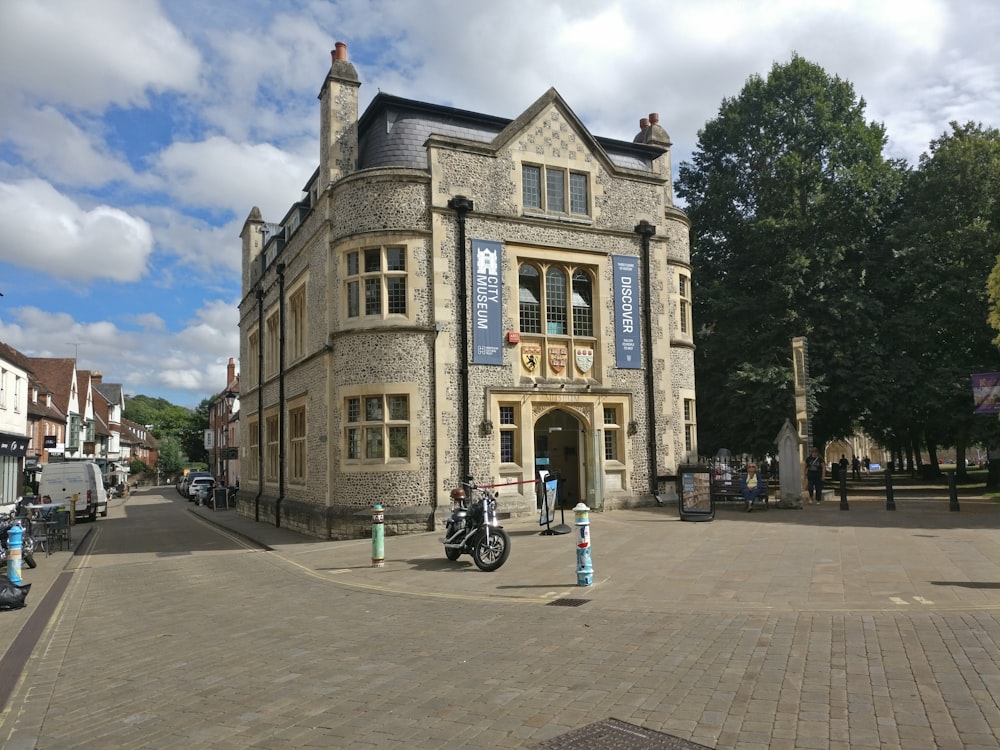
[219,173]
[48,232]
[89,55]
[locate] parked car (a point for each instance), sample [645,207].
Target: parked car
[199,484]
[184,482]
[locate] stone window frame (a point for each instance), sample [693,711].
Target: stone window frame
[689,413]
[684,303]
[508,433]
[358,394]
[253,448]
[298,464]
[298,320]
[538,193]
[272,340]
[253,352]
[354,276]
[272,445]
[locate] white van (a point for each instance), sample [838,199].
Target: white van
[82,478]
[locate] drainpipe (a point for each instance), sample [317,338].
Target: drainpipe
[281,394]
[462,205]
[260,402]
[646,230]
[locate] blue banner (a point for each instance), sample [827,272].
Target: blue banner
[487,307]
[627,352]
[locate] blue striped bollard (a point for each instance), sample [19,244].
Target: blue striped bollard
[14,553]
[378,536]
[584,566]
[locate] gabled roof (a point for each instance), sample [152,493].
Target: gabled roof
[58,377]
[393,131]
[15,357]
[112,392]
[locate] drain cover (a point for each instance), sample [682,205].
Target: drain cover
[567,602]
[614,734]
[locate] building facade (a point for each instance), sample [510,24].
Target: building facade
[458,294]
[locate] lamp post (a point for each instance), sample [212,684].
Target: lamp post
[222,444]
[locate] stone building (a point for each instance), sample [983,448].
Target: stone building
[458,294]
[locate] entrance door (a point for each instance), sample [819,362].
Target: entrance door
[559,438]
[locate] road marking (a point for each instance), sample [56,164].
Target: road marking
[921,600]
[897,600]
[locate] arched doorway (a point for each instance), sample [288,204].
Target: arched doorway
[559,437]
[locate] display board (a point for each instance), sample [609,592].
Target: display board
[694,496]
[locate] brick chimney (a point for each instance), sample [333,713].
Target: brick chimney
[230,372]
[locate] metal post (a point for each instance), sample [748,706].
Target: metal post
[843,491]
[584,566]
[890,503]
[952,492]
[378,536]
[14,534]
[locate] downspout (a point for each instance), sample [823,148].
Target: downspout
[462,205]
[281,394]
[260,402]
[646,230]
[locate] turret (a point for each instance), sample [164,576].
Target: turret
[652,133]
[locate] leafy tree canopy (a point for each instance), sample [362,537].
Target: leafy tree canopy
[789,194]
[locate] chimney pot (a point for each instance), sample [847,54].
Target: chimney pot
[653,118]
[643,123]
[340,51]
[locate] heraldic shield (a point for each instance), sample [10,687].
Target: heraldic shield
[531,356]
[557,358]
[584,358]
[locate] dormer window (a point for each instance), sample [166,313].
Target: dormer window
[565,192]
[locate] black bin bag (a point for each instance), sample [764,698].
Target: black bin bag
[12,596]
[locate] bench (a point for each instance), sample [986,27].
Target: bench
[729,489]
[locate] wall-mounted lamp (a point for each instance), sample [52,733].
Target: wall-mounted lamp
[485,427]
[633,428]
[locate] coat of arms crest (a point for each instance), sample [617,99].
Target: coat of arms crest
[584,358]
[557,357]
[531,356]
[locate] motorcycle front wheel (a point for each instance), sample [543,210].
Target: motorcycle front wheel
[29,560]
[490,552]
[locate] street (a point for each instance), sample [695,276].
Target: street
[176,633]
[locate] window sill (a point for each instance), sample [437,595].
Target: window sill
[581,220]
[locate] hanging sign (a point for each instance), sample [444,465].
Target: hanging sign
[487,308]
[627,351]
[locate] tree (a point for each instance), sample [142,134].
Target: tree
[171,459]
[788,193]
[946,245]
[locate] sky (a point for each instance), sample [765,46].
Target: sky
[136,136]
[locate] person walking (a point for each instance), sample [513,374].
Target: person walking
[814,476]
[855,467]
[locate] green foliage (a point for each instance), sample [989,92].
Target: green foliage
[165,420]
[171,458]
[788,193]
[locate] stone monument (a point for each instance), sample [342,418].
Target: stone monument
[789,467]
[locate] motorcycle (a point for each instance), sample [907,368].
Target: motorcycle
[27,545]
[472,529]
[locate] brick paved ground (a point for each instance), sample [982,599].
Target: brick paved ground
[817,628]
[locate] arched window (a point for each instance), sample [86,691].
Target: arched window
[568,310]
[530,299]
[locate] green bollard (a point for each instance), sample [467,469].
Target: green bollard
[378,536]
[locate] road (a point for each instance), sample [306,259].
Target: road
[174,633]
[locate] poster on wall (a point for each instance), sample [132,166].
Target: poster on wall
[487,308]
[627,351]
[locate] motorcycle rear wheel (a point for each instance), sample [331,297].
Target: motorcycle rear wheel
[489,553]
[29,560]
[452,554]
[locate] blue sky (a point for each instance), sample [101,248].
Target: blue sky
[136,136]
